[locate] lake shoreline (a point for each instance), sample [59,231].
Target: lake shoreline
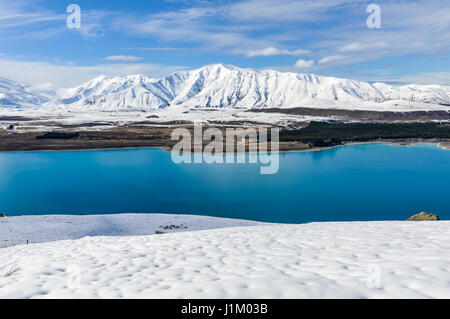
[158,138]
[315,137]
[445,145]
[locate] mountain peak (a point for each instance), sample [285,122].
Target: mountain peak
[137,77]
[219,67]
[98,79]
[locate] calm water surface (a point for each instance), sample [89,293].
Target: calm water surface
[358,182]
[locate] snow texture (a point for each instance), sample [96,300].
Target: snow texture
[317,260]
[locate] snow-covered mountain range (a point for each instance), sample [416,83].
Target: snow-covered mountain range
[223,86]
[16,94]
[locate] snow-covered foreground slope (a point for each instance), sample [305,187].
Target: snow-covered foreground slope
[44,228]
[319,260]
[220,86]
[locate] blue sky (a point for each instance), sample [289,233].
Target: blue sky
[327,37]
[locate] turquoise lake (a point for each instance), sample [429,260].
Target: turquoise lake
[356,182]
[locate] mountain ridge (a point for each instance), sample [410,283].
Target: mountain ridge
[18,94]
[227,86]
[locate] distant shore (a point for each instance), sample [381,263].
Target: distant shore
[444,146]
[318,138]
[286,148]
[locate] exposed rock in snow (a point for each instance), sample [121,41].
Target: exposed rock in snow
[424,217]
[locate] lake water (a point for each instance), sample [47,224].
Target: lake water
[357,182]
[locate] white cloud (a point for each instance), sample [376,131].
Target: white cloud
[271,51]
[123,58]
[263,27]
[331,58]
[192,25]
[441,78]
[304,63]
[332,29]
[157,49]
[16,15]
[20,20]
[64,75]
[408,28]
[357,46]
[281,10]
